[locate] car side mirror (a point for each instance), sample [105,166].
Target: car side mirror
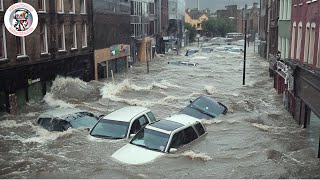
[173,150]
[131,135]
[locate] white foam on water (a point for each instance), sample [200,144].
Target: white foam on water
[43,136]
[196,156]
[14,124]
[199,58]
[60,83]
[262,127]
[210,122]
[51,101]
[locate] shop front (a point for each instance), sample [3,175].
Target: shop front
[111,60]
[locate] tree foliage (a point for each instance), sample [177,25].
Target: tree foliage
[217,27]
[192,30]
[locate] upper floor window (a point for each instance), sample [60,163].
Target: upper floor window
[3,44]
[73,7]
[74,36]
[1,5]
[21,46]
[151,8]
[84,36]
[83,6]
[42,5]
[61,38]
[60,6]
[43,38]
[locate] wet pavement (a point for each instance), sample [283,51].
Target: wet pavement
[258,138]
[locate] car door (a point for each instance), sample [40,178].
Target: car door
[183,137]
[138,124]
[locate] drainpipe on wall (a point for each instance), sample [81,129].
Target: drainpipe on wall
[268,31]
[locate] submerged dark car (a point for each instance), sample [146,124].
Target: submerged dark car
[205,108]
[63,119]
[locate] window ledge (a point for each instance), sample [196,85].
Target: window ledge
[4,61]
[72,12]
[60,12]
[62,51]
[74,49]
[45,54]
[83,13]
[42,12]
[23,58]
[84,47]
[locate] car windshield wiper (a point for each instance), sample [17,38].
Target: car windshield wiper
[153,149]
[105,137]
[204,112]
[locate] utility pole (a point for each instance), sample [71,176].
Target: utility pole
[177,28]
[245,52]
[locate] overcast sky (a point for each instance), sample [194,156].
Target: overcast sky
[217,4]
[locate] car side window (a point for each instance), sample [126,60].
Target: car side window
[200,129]
[138,124]
[191,135]
[151,117]
[178,139]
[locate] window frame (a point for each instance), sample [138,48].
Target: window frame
[62,6]
[73,11]
[84,7]
[84,36]
[293,40]
[45,39]
[23,47]
[44,10]
[4,43]
[1,5]
[312,43]
[74,38]
[63,39]
[299,41]
[306,44]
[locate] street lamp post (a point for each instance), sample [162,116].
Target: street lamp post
[245,52]
[198,36]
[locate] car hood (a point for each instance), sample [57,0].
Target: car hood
[131,154]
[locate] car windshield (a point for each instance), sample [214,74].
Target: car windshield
[110,129]
[84,122]
[208,107]
[151,139]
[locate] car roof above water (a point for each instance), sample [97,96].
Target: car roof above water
[60,113]
[126,114]
[173,123]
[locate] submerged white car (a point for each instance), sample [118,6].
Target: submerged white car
[159,138]
[123,123]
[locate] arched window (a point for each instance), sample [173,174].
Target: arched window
[293,39]
[306,43]
[312,43]
[298,55]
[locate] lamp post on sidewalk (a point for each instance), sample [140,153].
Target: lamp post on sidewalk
[245,52]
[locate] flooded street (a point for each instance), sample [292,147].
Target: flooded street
[258,138]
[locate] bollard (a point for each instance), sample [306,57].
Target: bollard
[112,76]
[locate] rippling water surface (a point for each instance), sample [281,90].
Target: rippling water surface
[256,139]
